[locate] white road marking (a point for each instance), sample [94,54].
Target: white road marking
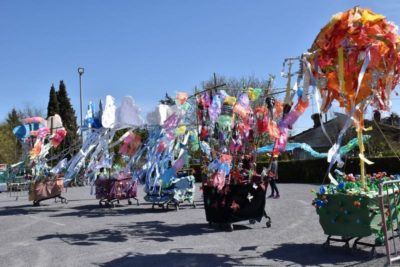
[40,219]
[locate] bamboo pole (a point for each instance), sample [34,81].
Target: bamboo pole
[362,148]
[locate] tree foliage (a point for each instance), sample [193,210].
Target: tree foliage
[68,117]
[53,106]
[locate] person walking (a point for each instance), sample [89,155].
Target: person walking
[273,176]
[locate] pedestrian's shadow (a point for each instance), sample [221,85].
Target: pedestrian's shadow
[172,259]
[315,254]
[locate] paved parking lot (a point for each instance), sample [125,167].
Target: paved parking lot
[81,233]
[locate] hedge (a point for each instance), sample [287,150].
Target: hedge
[314,171]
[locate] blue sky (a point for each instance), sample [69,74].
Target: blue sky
[146,48]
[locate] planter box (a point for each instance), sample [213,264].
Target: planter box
[350,215]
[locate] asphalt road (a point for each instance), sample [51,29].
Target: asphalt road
[81,233]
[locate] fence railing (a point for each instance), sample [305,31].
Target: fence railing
[389,202]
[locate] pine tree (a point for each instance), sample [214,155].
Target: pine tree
[53,106]
[12,121]
[67,114]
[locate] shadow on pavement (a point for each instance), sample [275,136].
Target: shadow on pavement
[315,254]
[157,231]
[88,239]
[173,259]
[25,210]
[95,211]
[161,232]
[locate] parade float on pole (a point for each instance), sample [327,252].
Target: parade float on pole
[355,61]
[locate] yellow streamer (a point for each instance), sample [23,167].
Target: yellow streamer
[341,71]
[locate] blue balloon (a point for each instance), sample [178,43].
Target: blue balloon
[300,92]
[322,190]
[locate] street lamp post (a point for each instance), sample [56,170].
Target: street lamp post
[81,71]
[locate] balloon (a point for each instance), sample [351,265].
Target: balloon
[300,92]
[230,100]
[181,97]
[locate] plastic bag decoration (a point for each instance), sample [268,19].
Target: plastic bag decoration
[356,56]
[254,93]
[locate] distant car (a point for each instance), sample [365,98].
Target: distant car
[3,177]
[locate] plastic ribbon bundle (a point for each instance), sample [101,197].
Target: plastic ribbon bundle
[99,132]
[351,145]
[168,145]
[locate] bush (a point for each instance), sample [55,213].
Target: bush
[315,170]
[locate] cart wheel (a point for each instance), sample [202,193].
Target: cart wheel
[129,202]
[252,221]
[100,204]
[268,224]
[354,248]
[373,253]
[36,203]
[65,201]
[347,247]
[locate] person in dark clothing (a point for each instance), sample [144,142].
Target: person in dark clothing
[273,176]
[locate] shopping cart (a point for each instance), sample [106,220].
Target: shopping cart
[110,191]
[47,189]
[180,190]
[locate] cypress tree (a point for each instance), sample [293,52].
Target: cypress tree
[67,114]
[53,106]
